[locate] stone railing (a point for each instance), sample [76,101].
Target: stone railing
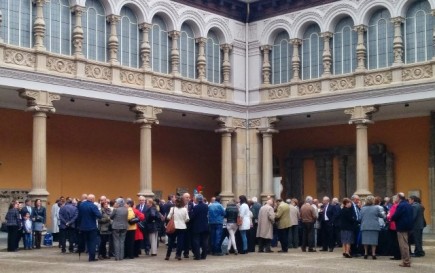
[406,74]
[80,68]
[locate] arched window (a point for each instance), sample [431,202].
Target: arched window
[418,33]
[188,52]
[57,16]
[94,28]
[312,50]
[380,40]
[213,58]
[160,46]
[282,59]
[17,22]
[128,30]
[344,44]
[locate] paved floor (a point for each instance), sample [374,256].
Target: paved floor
[49,259]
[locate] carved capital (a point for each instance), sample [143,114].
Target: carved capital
[226,47]
[229,124]
[397,20]
[39,2]
[360,28]
[39,101]
[174,34]
[266,48]
[267,125]
[201,41]
[78,10]
[361,114]
[146,114]
[113,19]
[296,42]
[145,26]
[326,35]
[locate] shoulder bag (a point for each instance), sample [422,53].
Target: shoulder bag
[170,227]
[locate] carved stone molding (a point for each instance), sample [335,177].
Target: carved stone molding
[216,92]
[342,84]
[361,114]
[132,78]
[309,88]
[19,58]
[61,65]
[239,122]
[378,78]
[39,101]
[98,72]
[162,83]
[191,88]
[146,113]
[279,93]
[254,123]
[417,73]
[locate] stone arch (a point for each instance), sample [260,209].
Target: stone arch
[304,20]
[403,6]
[138,9]
[367,9]
[166,11]
[272,29]
[194,20]
[220,28]
[109,6]
[337,13]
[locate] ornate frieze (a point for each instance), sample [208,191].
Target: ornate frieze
[279,93]
[216,92]
[61,65]
[132,77]
[191,88]
[254,123]
[342,84]
[98,72]
[309,88]
[19,58]
[417,73]
[378,78]
[162,83]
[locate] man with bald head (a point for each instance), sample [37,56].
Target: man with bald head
[88,215]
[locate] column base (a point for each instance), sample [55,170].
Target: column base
[39,194]
[363,194]
[146,194]
[265,196]
[226,197]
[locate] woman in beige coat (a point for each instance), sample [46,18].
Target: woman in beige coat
[266,218]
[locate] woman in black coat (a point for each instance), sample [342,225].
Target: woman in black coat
[347,226]
[13,223]
[38,219]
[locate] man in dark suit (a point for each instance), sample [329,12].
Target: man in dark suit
[327,215]
[168,205]
[145,243]
[199,226]
[88,215]
[356,247]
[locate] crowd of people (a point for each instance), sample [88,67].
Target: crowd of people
[121,229]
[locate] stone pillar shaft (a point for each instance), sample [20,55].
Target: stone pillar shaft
[1,21]
[113,39]
[398,41]
[226,64]
[267,167]
[145,47]
[201,62]
[296,60]
[361,48]
[77,36]
[175,53]
[266,69]
[227,185]
[39,25]
[327,56]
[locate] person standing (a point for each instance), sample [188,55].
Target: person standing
[347,226]
[39,215]
[13,223]
[266,219]
[181,217]
[370,227]
[55,218]
[392,231]
[308,217]
[67,224]
[283,218]
[255,209]
[231,214]
[244,214]
[104,226]
[293,236]
[418,220]
[88,216]
[145,242]
[119,227]
[27,208]
[216,214]
[403,218]
[152,219]
[199,222]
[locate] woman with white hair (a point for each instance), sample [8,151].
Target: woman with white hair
[370,227]
[119,227]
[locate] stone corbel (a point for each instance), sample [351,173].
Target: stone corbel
[39,101]
[361,114]
[146,114]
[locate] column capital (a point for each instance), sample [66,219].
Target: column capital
[361,114]
[40,2]
[397,20]
[295,41]
[39,101]
[266,47]
[78,9]
[201,40]
[432,12]
[360,28]
[227,124]
[175,34]
[146,114]
[113,19]
[145,26]
[264,124]
[225,47]
[326,34]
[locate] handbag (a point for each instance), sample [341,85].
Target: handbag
[170,227]
[133,220]
[239,220]
[4,227]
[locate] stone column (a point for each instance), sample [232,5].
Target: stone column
[39,25]
[226,64]
[266,69]
[1,21]
[40,103]
[266,129]
[296,60]
[433,58]
[361,50]
[361,116]
[327,56]
[398,41]
[113,39]
[175,53]
[146,116]
[77,35]
[432,169]
[145,47]
[226,129]
[201,62]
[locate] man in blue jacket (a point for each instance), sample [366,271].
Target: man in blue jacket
[88,215]
[199,223]
[216,213]
[68,215]
[404,224]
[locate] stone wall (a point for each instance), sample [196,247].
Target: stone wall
[6,197]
